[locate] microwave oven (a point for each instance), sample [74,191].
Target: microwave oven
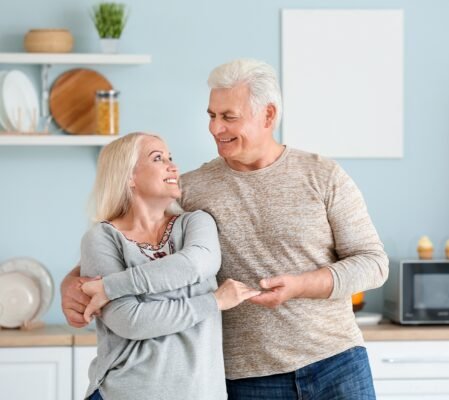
[417,292]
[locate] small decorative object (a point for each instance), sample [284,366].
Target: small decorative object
[48,41]
[447,249]
[425,248]
[357,301]
[107,112]
[110,20]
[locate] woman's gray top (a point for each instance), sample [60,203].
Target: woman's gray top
[160,337]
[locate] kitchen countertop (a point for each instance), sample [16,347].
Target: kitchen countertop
[48,335]
[64,335]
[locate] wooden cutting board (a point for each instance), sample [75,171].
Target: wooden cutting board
[72,100]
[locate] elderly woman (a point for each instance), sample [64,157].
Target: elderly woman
[159,332]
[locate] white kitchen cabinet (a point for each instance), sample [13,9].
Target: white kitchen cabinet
[82,357]
[406,370]
[38,373]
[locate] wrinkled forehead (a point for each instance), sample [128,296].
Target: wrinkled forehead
[222,98]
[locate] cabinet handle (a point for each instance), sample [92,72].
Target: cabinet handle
[414,360]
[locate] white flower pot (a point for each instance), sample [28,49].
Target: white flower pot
[109,45]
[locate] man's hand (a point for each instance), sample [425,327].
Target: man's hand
[95,290]
[277,290]
[73,300]
[316,284]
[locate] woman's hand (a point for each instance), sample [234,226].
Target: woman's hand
[231,293]
[95,290]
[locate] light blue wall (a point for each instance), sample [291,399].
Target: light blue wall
[44,190]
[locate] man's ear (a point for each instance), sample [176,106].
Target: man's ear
[270,115]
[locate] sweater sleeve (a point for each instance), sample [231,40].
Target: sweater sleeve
[133,319]
[130,317]
[362,264]
[198,260]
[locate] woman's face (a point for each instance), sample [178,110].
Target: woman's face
[155,176]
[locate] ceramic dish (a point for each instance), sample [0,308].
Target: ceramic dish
[20,101]
[35,270]
[367,318]
[4,123]
[19,299]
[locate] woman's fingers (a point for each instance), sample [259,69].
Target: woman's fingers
[231,293]
[94,307]
[90,309]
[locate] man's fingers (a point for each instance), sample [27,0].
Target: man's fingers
[81,298]
[267,299]
[250,293]
[76,307]
[75,319]
[84,279]
[269,283]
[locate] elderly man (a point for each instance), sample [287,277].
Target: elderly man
[293,223]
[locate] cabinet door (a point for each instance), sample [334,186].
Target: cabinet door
[38,373]
[410,369]
[82,357]
[409,359]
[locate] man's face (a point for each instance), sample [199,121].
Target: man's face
[240,135]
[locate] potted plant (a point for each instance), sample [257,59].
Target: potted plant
[110,19]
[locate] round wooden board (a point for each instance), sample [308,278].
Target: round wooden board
[72,100]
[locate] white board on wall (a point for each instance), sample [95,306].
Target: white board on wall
[342,82]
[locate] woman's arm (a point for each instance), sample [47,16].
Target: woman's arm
[131,319]
[199,259]
[128,317]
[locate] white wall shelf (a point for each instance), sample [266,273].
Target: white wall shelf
[56,140]
[74,58]
[45,60]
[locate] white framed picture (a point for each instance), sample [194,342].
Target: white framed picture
[342,81]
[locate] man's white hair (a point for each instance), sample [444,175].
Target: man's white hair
[260,78]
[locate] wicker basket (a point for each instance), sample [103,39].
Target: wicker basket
[48,41]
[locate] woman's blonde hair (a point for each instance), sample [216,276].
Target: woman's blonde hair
[111,195]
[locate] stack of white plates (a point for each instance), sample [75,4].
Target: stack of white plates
[26,292]
[19,104]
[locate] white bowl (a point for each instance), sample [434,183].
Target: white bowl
[19,299]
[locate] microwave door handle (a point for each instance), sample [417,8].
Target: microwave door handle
[421,360]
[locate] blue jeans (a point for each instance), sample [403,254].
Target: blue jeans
[345,376]
[96,395]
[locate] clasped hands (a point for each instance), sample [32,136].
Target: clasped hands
[275,291]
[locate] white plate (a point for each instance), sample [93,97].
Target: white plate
[19,299]
[367,318]
[35,270]
[3,118]
[20,101]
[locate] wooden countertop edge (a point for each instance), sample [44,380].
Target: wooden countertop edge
[393,332]
[48,335]
[64,335]
[82,336]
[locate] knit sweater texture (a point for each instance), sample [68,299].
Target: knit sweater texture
[301,213]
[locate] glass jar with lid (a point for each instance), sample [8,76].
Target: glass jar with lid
[107,110]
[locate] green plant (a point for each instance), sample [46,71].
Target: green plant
[109,19]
